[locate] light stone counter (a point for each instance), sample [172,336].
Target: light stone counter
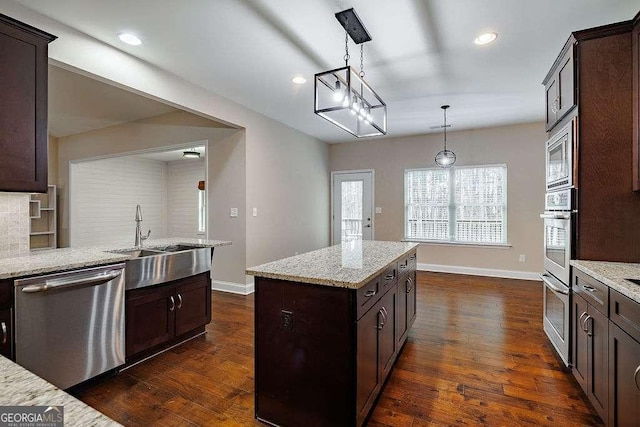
[20,387]
[40,262]
[349,265]
[613,274]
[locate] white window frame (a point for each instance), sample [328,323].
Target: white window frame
[452,208]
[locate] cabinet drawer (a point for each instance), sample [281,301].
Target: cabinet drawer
[407,263]
[625,313]
[6,289]
[595,292]
[368,295]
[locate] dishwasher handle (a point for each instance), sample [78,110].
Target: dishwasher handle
[71,282]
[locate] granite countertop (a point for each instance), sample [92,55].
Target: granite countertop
[39,262]
[613,274]
[20,387]
[348,265]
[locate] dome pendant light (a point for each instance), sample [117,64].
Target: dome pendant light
[445,158]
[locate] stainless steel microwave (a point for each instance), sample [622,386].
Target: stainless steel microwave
[560,158]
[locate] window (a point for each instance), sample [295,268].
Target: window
[461,204]
[202,211]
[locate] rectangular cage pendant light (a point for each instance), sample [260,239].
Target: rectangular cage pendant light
[344,98]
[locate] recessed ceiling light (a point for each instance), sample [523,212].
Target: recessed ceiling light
[299,80]
[486,38]
[130,39]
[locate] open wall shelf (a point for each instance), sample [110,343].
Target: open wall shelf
[42,212]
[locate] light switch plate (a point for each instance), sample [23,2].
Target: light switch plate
[378,209]
[233,213]
[255,211]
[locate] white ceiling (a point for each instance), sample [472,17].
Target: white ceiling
[171,155]
[422,54]
[80,104]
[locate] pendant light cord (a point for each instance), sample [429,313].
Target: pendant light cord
[346,49]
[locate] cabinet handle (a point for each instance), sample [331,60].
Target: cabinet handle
[584,313]
[589,288]
[381,320]
[179,300]
[389,276]
[586,319]
[409,285]
[370,293]
[412,257]
[403,266]
[635,377]
[173,303]
[5,334]
[555,105]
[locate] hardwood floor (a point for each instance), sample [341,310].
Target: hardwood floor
[476,355]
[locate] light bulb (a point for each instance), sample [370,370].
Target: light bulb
[355,106]
[337,96]
[345,101]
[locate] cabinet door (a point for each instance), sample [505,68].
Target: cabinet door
[404,287]
[624,378]
[636,107]
[387,342]
[597,326]
[150,315]
[412,301]
[580,344]
[566,85]
[193,303]
[551,91]
[6,335]
[367,357]
[23,108]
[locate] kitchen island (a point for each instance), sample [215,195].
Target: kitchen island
[329,325]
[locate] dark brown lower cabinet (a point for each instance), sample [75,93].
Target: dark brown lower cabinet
[591,353]
[159,314]
[6,335]
[624,375]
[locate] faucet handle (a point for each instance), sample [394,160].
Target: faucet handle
[145,237]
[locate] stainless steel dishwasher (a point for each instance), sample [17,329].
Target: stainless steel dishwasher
[70,326]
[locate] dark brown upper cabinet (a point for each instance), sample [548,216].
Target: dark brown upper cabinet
[636,102]
[23,106]
[559,86]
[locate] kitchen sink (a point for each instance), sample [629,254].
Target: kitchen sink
[636,281]
[139,253]
[164,264]
[175,248]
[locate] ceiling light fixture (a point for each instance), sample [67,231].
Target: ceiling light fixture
[299,80]
[445,158]
[129,39]
[486,38]
[191,154]
[342,96]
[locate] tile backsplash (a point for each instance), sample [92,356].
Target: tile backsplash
[14,224]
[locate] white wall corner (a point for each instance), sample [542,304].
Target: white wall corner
[232,287]
[473,271]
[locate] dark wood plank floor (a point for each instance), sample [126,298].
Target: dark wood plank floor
[476,356]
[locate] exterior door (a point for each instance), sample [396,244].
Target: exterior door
[352,206]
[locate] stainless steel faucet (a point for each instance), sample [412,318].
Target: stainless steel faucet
[139,236]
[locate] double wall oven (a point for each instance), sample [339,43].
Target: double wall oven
[559,233]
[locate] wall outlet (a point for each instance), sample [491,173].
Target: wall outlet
[255,212]
[233,212]
[522,258]
[378,209]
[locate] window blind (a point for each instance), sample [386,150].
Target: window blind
[461,204]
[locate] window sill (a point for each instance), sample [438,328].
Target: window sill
[461,244]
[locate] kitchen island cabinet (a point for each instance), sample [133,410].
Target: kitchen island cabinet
[326,331]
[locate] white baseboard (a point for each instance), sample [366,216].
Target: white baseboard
[473,271]
[232,287]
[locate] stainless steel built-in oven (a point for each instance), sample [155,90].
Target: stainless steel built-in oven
[558,249]
[560,159]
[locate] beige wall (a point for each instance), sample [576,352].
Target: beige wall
[521,147]
[226,173]
[53,160]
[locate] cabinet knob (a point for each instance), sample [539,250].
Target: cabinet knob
[173,303]
[5,335]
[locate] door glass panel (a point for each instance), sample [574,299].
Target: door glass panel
[555,245]
[555,312]
[557,161]
[352,202]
